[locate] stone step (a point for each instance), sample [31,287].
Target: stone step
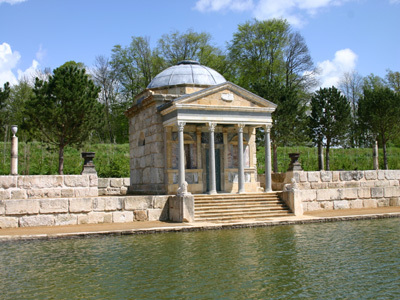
[231,218]
[236,206]
[237,212]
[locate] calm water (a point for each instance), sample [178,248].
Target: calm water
[347,260]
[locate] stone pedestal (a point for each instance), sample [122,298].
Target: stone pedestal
[294,162]
[181,208]
[14,155]
[88,165]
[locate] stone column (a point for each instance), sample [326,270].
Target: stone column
[14,151]
[375,155]
[181,154]
[268,180]
[241,159]
[213,184]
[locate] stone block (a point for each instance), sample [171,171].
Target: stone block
[351,175]
[124,190]
[383,202]
[66,193]
[113,203]
[93,192]
[364,193]
[370,183]
[370,203]
[48,206]
[127,181]
[313,176]
[351,193]
[8,222]
[319,185]
[40,181]
[22,207]
[303,176]
[381,175]
[356,204]
[103,182]
[66,219]
[76,180]
[156,214]
[93,180]
[300,186]
[159,201]
[81,192]
[113,191]
[99,217]
[18,194]
[371,175]
[7,182]
[392,174]
[391,191]
[335,185]
[122,216]
[341,204]
[77,205]
[99,204]
[352,184]
[326,205]
[328,194]
[38,220]
[2,207]
[116,182]
[5,194]
[313,206]
[376,192]
[140,215]
[137,202]
[305,195]
[335,176]
[394,201]
[394,183]
[382,183]
[102,192]
[326,176]
[83,219]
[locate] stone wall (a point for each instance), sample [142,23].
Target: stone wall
[113,186]
[84,210]
[146,144]
[330,190]
[44,186]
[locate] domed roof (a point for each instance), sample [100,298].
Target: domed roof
[187,72]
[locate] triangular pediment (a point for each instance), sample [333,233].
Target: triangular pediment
[224,95]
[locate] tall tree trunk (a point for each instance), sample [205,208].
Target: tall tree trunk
[61,160]
[327,155]
[275,156]
[385,162]
[320,157]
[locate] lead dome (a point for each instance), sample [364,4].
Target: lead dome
[187,72]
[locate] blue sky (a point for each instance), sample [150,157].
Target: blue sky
[342,35]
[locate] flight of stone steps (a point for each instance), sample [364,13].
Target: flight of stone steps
[239,207]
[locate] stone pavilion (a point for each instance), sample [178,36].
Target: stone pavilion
[191,128]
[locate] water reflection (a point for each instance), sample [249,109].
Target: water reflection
[332,260]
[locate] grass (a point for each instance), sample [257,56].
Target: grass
[112,160]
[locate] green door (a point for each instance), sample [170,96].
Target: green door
[217,169]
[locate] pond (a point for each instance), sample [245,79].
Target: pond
[343,260]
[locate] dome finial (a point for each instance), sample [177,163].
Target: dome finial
[188,62]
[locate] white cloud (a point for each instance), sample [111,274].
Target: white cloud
[8,62]
[330,71]
[12,2]
[295,11]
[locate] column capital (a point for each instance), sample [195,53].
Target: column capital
[211,126]
[181,125]
[268,128]
[240,127]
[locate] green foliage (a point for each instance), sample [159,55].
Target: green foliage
[393,79]
[379,115]
[36,158]
[64,109]
[4,95]
[341,159]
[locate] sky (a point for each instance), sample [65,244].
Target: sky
[342,35]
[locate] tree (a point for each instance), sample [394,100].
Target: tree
[393,79]
[330,119]
[379,113]
[64,109]
[351,87]
[4,95]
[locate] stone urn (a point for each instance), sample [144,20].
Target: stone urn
[294,162]
[88,165]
